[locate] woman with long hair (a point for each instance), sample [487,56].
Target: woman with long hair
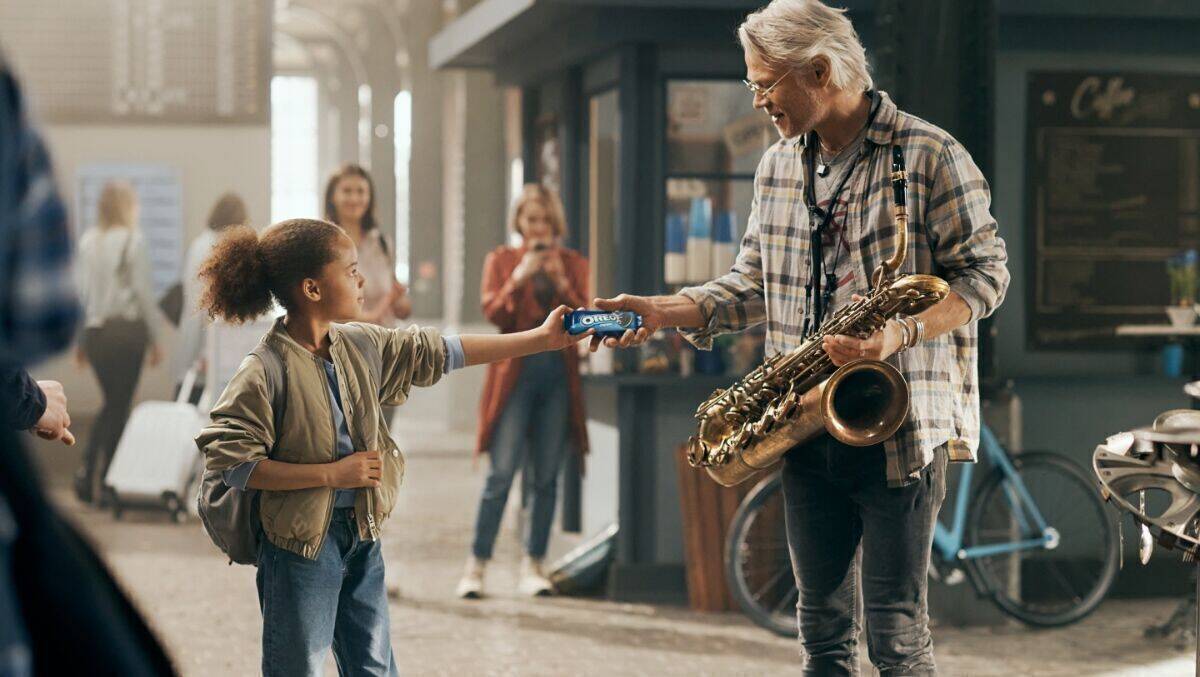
[533,406]
[350,203]
[121,323]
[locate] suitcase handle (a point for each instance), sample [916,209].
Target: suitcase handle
[185,388]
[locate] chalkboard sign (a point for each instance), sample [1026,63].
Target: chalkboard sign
[1113,191]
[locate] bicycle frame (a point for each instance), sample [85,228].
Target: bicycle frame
[948,542]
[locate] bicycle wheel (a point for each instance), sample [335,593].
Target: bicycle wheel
[1044,586]
[758,565]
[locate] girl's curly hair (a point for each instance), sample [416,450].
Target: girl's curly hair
[246,269]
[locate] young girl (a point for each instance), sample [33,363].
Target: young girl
[330,475]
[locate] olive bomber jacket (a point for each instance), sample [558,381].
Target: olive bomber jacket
[242,427]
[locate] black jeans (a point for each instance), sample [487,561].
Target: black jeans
[837,502]
[115,352]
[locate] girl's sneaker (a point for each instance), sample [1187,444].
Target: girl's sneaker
[533,582]
[471,585]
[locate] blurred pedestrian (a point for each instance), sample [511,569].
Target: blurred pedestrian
[122,324]
[350,203]
[229,210]
[531,407]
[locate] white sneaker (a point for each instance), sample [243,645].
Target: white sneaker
[533,582]
[471,585]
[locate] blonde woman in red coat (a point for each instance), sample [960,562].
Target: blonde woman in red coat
[531,407]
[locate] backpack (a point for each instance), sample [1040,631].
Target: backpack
[230,515]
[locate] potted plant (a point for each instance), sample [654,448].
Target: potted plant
[1182,270]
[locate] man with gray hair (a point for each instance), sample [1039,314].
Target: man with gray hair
[819,224]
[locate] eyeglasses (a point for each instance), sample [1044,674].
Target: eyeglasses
[758,90]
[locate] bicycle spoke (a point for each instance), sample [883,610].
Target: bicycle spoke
[790,597]
[1014,502]
[770,584]
[1066,584]
[1039,585]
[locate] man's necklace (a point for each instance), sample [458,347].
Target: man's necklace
[823,165]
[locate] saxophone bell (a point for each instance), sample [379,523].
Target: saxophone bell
[864,403]
[861,404]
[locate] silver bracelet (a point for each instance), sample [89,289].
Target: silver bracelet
[904,335]
[912,331]
[920,326]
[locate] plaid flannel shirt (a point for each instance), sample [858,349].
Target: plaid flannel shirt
[952,234]
[38,305]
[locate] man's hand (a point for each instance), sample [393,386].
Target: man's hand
[55,421]
[883,343]
[553,333]
[652,320]
[360,469]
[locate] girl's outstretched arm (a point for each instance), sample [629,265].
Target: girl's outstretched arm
[485,348]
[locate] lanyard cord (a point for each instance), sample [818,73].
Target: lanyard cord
[817,303]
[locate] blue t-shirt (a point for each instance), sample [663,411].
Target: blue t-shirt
[344,498]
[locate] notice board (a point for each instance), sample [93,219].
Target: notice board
[1113,191]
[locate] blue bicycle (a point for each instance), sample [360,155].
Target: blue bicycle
[1034,537]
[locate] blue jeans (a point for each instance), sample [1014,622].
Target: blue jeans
[336,600]
[533,426]
[836,502]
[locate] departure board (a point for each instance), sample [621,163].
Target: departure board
[1113,192]
[138,61]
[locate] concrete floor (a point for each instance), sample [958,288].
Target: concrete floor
[206,611]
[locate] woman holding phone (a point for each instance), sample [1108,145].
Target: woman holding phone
[533,405]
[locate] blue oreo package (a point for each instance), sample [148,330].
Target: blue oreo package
[605,322]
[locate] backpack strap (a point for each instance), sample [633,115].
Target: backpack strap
[272,362]
[367,350]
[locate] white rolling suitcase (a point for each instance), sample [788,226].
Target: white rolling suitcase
[157,464]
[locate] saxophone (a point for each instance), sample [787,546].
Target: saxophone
[791,397]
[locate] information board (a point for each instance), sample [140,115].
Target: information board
[105,61]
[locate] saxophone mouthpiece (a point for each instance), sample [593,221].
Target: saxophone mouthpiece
[899,177]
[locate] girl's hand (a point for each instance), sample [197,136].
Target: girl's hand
[358,470]
[555,337]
